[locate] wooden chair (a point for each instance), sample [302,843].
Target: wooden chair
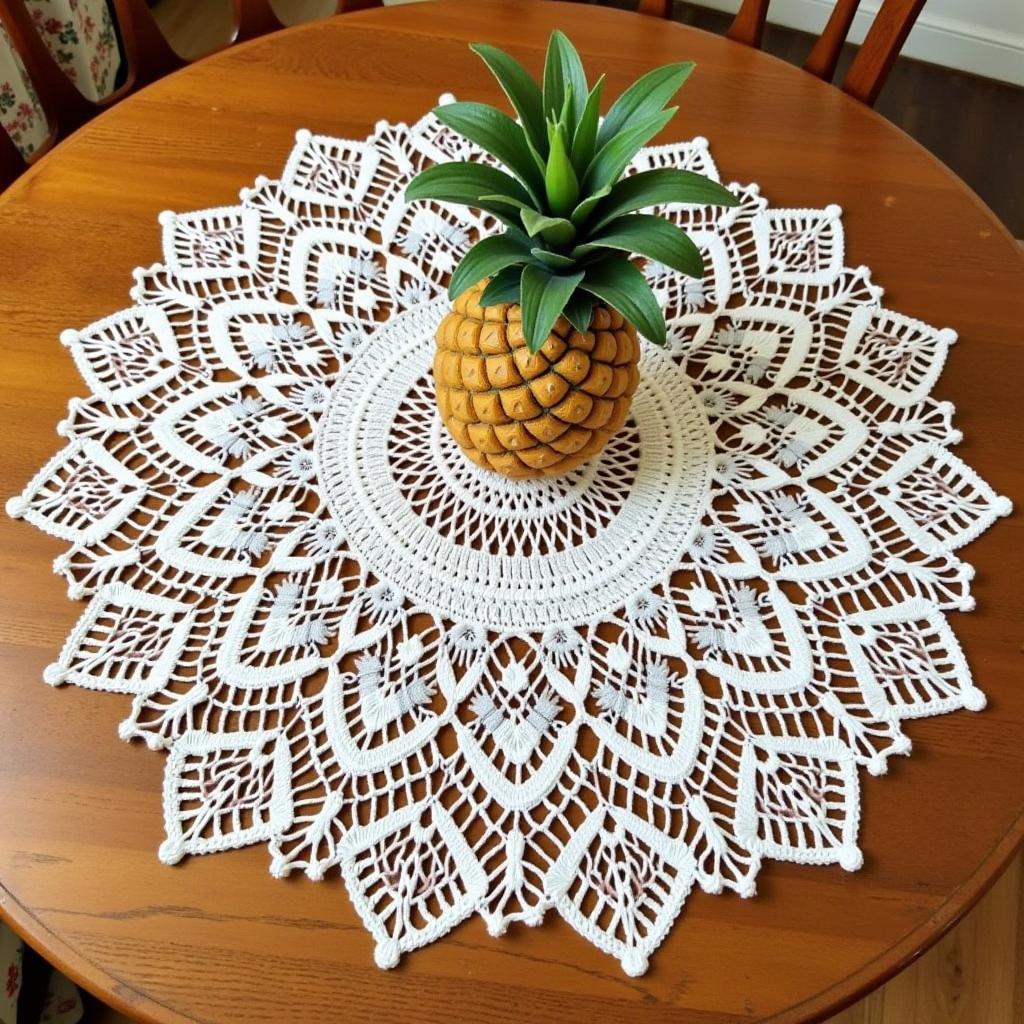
[147,56]
[873,61]
[57,95]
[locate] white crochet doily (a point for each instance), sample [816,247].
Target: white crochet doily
[472,695]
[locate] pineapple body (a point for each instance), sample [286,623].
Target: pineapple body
[526,414]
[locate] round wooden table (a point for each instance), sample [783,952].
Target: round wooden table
[218,939]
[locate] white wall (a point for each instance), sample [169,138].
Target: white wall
[985,37]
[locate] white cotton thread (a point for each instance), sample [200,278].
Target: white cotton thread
[349,584]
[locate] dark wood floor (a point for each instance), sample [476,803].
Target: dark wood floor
[973,125]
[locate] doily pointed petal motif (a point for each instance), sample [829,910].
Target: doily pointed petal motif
[470,695]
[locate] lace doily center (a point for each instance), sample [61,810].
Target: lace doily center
[508,554]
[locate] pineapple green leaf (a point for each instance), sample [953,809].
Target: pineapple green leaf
[508,215]
[523,215]
[649,236]
[503,287]
[578,310]
[646,96]
[508,201]
[555,231]
[617,282]
[572,218]
[615,155]
[563,70]
[489,255]
[584,141]
[586,206]
[522,91]
[560,182]
[543,297]
[540,162]
[497,134]
[462,182]
[662,185]
[555,260]
[565,116]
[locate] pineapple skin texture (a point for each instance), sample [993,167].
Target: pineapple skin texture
[530,415]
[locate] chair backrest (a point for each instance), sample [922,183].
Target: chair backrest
[56,93]
[873,61]
[147,56]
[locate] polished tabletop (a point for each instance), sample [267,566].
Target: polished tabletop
[217,939]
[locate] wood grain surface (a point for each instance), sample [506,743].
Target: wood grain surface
[973,975]
[217,939]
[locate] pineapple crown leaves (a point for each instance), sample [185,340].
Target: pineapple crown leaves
[572,220]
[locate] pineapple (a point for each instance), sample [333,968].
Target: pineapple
[537,362]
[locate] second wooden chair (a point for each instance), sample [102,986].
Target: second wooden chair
[874,59]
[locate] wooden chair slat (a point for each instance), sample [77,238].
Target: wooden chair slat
[880,48]
[150,56]
[656,8]
[748,25]
[254,18]
[825,55]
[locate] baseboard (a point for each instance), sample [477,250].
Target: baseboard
[951,42]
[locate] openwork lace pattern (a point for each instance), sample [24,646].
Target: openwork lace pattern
[471,695]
